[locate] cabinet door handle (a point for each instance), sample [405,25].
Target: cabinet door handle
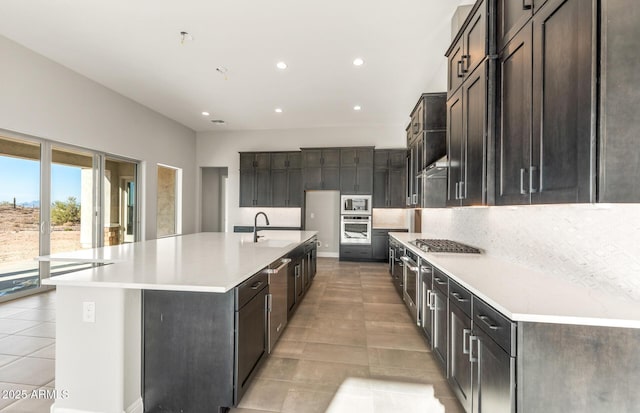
[488,322]
[462,194]
[465,348]
[465,57]
[459,297]
[472,338]
[432,301]
[457,185]
[459,68]
[526,5]
[532,172]
[522,190]
[439,280]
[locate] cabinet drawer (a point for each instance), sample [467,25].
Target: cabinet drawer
[440,281]
[360,252]
[248,289]
[460,296]
[497,326]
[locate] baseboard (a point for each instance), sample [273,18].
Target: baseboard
[135,407]
[328,254]
[55,409]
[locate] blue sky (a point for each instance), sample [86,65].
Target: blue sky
[20,178]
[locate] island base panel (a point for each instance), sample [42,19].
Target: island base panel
[188,351]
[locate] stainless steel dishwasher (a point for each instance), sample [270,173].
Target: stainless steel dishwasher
[277,300]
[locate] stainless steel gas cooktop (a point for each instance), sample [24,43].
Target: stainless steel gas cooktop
[444,245]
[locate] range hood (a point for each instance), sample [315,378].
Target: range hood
[438,169]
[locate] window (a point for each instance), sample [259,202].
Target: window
[48,198]
[19,215]
[169,201]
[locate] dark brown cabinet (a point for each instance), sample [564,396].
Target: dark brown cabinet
[426,141]
[356,171]
[255,179]
[470,48]
[286,179]
[512,16]
[513,149]
[466,141]
[468,110]
[619,163]
[389,178]
[180,329]
[563,143]
[321,169]
[546,140]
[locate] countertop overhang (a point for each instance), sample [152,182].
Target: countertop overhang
[206,261]
[529,295]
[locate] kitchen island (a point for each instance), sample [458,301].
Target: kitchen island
[100,346]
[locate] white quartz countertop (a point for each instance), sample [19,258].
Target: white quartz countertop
[526,294]
[206,261]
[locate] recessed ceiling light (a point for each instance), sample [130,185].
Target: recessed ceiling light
[205,113]
[357,107]
[281,65]
[278,110]
[218,121]
[358,61]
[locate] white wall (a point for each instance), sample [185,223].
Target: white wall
[220,149]
[41,98]
[594,245]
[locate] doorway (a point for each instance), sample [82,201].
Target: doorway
[322,214]
[214,199]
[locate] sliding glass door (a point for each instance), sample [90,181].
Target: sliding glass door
[20,224]
[57,199]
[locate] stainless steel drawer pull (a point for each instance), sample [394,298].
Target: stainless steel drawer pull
[465,348]
[425,270]
[522,190]
[459,297]
[471,340]
[439,281]
[257,285]
[489,323]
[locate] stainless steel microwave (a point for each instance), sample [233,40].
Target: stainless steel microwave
[355,205]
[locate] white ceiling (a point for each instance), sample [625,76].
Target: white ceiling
[134,48]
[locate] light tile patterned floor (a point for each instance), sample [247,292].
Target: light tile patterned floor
[27,353]
[351,331]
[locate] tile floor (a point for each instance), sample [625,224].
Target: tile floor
[350,343]
[351,332]
[27,353]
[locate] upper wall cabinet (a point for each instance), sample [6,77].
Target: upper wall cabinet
[619,166]
[426,141]
[546,144]
[469,49]
[356,171]
[389,178]
[286,179]
[321,169]
[255,179]
[471,74]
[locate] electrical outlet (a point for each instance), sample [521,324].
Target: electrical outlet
[89,312]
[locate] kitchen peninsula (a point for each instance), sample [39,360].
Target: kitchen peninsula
[102,341]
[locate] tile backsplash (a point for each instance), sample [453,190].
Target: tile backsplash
[594,245]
